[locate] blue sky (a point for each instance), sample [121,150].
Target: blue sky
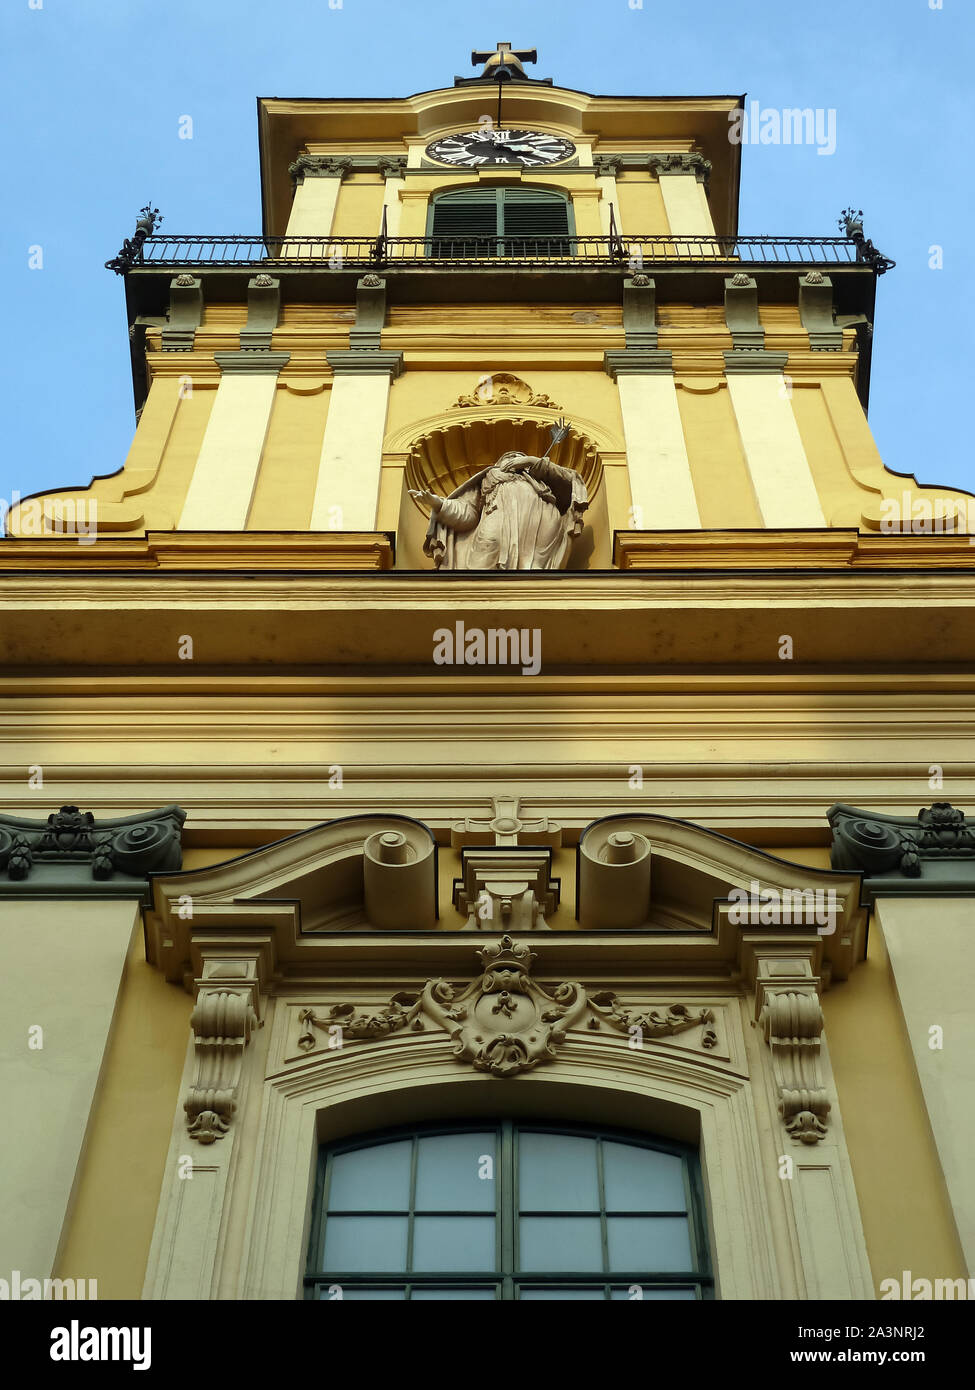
[95,90]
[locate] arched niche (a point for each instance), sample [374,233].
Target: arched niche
[453,448]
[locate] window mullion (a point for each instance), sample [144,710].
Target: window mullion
[414,1151]
[601,1188]
[507,1206]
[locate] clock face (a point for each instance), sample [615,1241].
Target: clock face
[522,147]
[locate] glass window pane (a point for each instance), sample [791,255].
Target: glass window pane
[557,1172]
[372,1244]
[653,1243]
[422,1294]
[642,1179]
[644,1293]
[373,1179]
[444,1244]
[455,1172]
[558,1295]
[354,1292]
[560,1242]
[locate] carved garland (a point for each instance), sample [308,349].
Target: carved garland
[504,1022]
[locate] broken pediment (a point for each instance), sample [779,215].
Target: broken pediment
[666,889]
[359,873]
[657,874]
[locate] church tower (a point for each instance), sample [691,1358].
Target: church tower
[460,707]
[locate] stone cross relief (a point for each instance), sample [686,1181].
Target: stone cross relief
[506,867]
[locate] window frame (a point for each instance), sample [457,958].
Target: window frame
[507,1282]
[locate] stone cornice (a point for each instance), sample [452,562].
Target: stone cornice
[365,362]
[72,854]
[210,550]
[639,362]
[754,362]
[692,618]
[254,361]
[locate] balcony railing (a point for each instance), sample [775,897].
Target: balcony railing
[526,252]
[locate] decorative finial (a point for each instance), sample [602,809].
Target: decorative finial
[131,252]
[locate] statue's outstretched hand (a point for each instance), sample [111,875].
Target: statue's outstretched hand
[432,500]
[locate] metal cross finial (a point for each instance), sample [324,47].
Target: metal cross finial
[504,51]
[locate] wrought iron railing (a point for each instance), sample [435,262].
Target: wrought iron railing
[529,252]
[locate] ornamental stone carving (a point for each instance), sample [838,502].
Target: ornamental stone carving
[129,847]
[222,1023]
[319,166]
[504,1022]
[792,1024]
[681,163]
[506,888]
[932,846]
[650,1023]
[502,388]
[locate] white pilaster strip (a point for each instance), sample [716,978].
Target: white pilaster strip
[661,486]
[780,473]
[607,186]
[393,204]
[313,210]
[686,204]
[347,490]
[222,487]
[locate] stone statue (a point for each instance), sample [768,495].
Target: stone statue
[521,513]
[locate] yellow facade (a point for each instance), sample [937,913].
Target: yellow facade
[752,627]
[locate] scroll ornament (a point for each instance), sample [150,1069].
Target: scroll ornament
[792,1023]
[222,1023]
[504,1022]
[880,844]
[129,846]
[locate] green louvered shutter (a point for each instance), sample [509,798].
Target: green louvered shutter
[500,222]
[534,222]
[466,223]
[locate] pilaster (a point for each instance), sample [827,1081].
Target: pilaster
[919,873]
[661,486]
[70,893]
[350,470]
[222,486]
[777,464]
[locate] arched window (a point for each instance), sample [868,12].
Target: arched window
[507,1211]
[500,222]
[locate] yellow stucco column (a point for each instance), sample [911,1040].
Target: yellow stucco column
[393,194]
[929,944]
[777,464]
[61,970]
[349,473]
[222,486]
[661,486]
[316,196]
[606,170]
[685,200]
[586,210]
[413,210]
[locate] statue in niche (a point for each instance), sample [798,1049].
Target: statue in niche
[521,513]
